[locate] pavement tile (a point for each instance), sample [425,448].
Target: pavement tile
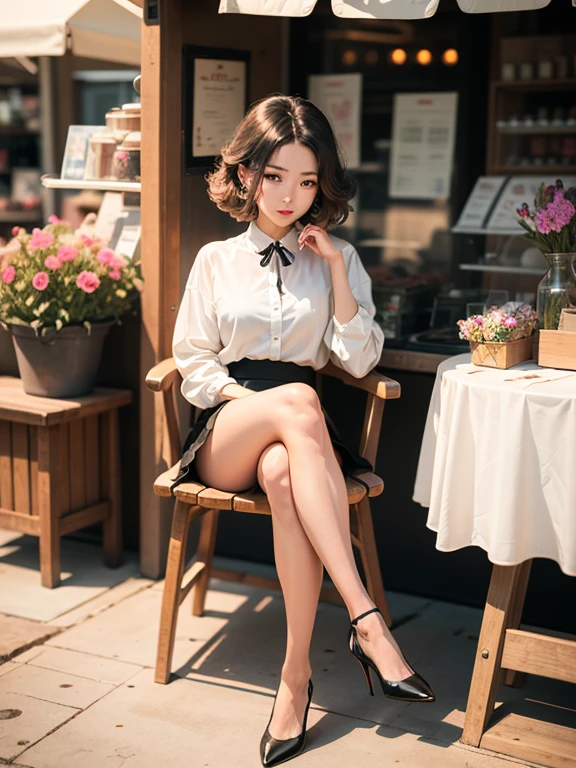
[193,724]
[129,631]
[33,719]
[8,666]
[57,687]
[84,665]
[17,634]
[84,576]
[103,601]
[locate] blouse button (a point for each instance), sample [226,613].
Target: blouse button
[275,338]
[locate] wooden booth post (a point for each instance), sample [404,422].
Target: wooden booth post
[161,181]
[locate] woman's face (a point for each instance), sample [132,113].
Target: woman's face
[289,184]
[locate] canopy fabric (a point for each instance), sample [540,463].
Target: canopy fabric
[374,9]
[99,29]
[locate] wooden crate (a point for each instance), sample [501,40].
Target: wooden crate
[501,354]
[557,349]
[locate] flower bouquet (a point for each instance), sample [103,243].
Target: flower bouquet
[551,227]
[60,292]
[501,337]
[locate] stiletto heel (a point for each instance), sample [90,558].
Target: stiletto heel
[366,670]
[412,688]
[275,751]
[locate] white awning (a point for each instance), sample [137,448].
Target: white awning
[374,9]
[98,29]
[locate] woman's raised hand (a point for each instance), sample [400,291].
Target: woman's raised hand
[318,240]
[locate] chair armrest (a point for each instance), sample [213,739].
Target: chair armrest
[162,376]
[374,382]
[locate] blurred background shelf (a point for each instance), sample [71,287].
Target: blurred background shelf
[55,182]
[502,268]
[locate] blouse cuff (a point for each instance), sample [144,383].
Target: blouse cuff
[215,387]
[356,328]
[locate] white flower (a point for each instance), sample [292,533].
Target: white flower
[58,324]
[30,301]
[121,293]
[19,286]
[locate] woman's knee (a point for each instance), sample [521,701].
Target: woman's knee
[274,472]
[299,406]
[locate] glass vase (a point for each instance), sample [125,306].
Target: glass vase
[556,290]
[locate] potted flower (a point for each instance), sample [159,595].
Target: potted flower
[501,337]
[60,293]
[551,226]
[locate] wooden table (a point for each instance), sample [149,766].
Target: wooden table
[60,468]
[504,649]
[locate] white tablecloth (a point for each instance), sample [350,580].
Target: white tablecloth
[497,465]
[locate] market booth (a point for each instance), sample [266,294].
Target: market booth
[485,73]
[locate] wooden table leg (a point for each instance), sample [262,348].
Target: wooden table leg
[49,504]
[487,674]
[111,489]
[511,677]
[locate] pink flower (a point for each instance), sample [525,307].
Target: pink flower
[87,240]
[15,231]
[52,262]
[510,322]
[121,155]
[41,240]
[54,219]
[117,262]
[9,274]
[87,281]
[40,281]
[105,255]
[115,274]
[67,253]
[478,319]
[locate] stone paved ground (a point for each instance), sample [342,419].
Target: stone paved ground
[85,697]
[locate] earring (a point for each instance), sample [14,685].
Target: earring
[242,193]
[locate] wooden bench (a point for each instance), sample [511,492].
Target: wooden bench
[60,468]
[194,500]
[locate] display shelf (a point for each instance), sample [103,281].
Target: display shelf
[535,84]
[530,130]
[16,130]
[502,268]
[20,217]
[532,170]
[55,182]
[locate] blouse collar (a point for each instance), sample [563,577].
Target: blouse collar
[260,240]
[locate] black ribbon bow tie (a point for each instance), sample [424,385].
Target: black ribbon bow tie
[285,256]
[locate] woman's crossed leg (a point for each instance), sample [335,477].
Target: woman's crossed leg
[279,437]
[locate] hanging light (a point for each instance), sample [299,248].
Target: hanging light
[450,57]
[349,57]
[398,56]
[424,57]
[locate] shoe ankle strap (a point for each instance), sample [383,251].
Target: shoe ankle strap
[357,619]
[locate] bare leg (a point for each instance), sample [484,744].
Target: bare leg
[300,572]
[291,414]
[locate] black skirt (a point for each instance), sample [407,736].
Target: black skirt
[259,375]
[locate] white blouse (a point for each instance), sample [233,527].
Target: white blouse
[232,308]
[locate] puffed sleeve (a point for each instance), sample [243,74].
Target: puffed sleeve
[357,345]
[196,341]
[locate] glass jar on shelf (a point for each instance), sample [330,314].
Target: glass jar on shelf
[127,158]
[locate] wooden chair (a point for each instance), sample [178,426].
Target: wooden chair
[194,500]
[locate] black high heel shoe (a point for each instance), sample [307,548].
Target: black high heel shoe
[412,688]
[275,751]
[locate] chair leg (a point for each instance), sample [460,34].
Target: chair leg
[171,593]
[369,555]
[205,554]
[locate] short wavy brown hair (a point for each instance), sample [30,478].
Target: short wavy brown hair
[270,123]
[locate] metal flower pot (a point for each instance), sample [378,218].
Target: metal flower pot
[63,364]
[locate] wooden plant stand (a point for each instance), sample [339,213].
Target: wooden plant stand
[503,647]
[60,469]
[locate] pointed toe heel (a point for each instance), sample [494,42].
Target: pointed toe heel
[413,688]
[275,751]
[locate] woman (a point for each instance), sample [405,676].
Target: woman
[260,314]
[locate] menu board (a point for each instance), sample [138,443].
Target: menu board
[340,98]
[423,134]
[219,102]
